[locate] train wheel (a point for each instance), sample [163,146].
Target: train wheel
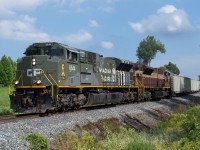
[76,107]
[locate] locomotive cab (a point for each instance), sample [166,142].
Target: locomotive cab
[37,73]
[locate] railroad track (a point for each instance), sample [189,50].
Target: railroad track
[15,118]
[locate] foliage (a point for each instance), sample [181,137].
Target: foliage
[70,140]
[184,144]
[2,73]
[4,101]
[126,139]
[138,145]
[37,141]
[115,136]
[7,69]
[171,67]
[5,111]
[191,127]
[182,131]
[174,123]
[148,49]
[14,68]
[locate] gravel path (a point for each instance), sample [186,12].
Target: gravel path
[11,133]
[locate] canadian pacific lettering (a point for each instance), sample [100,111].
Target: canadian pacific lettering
[33,72]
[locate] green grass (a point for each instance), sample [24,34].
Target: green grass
[4,101]
[106,134]
[37,141]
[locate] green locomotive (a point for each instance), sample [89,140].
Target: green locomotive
[54,76]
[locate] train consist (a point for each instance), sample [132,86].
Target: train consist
[53,76]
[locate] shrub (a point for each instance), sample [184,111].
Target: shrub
[6,111]
[37,141]
[70,140]
[182,131]
[86,141]
[174,123]
[184,144]
[66,140]
[191,127]
[139,145]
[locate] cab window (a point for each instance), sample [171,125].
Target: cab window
[72,56]
[33,52]
[53,52]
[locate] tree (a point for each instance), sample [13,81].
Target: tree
[14,68]
[171,67]
[148,49]
[6,71]
[2,74]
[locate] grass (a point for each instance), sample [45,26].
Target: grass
[4,101]
[37,141]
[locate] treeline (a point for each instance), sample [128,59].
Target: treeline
[7,70]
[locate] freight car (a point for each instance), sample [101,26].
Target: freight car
[53,76]
[183,85]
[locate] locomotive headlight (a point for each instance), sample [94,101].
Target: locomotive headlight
[33,61]
[16,82]
[39,82]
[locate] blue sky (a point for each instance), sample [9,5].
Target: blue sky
[109,27]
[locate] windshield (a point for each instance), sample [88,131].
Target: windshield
[52,52]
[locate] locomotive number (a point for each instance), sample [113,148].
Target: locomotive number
[72,68]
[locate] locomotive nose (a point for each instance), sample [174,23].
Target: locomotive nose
[29,70]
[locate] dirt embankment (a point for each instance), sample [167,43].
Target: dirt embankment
[149,117]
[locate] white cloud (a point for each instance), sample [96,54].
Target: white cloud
[107,45]
[17,26]
[168,19]
[81,36]
[71,3]
[75,2]
[107,9]
[21,4]
[110,1]
[22,27]
[167,9]
[93,23]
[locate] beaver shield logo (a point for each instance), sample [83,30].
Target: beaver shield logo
[63,72]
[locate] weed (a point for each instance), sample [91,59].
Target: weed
[191,127]
[70,140]
[139,145]
[4,102]
[37,141]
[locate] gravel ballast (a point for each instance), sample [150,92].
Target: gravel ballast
[11,133]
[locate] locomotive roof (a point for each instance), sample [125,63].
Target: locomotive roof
[51,44]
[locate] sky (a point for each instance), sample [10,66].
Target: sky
[112,28]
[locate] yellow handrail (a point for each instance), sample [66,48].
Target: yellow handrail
[53,79]
[49,82]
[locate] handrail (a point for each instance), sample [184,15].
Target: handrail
[56,87]
[49,82]
[53,79]
[9,89]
